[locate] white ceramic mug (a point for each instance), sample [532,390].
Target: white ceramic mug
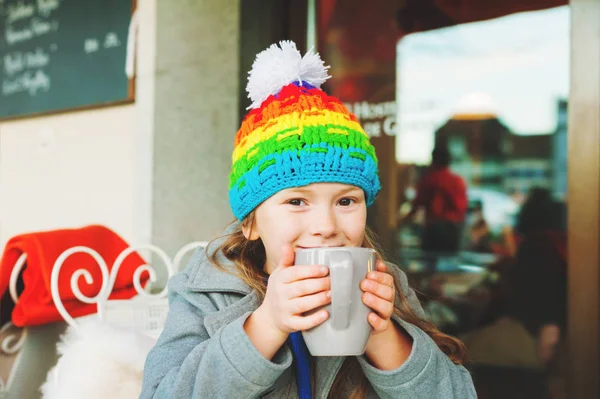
[347,330]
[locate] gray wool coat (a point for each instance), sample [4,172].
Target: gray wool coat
[205,353]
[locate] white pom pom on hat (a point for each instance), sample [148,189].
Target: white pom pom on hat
[278,66]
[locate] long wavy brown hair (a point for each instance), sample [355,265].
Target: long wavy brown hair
[249,258]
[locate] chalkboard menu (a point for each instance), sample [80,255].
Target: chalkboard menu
[63,54]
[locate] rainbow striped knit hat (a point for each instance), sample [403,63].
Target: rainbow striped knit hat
[295,134]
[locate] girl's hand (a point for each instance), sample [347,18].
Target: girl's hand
[389,345]
[379,294]
[292,291]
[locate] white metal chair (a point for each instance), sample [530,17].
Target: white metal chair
[143,314]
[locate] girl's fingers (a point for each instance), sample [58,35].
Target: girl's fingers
[380,306]
[302,323]
[380,266]
[381,278]
[381,290]
[287,256]
[301,272]
[307,287]
[379,324]
[309,302]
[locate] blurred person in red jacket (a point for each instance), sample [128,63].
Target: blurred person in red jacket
[442,194]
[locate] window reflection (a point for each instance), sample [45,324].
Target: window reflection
[491,96]
[482,89]
[492,93]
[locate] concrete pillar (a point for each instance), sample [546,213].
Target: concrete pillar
[195,119]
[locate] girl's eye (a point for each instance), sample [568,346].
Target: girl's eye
[346,201]
[296,202]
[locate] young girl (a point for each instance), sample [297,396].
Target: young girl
[303,175]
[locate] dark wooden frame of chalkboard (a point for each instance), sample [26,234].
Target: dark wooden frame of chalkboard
[130,97]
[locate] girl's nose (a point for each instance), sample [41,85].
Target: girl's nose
[323,224]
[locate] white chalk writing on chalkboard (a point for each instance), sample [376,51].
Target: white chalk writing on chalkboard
[40,59]
[40,27]
[111,40]
[28,81]
[13,63]
[91,45]
[37,27]
[37,59]
[45,7]
[18,61]
[24,70]
[19,11]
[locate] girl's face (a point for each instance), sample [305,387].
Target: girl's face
[317,215]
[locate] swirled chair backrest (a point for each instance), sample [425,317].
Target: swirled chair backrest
[145,313]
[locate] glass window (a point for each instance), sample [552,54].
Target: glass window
[472,148]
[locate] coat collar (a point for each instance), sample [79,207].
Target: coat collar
[209,278]
[206,277]
[215,320]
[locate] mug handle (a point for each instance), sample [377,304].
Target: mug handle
[341,270]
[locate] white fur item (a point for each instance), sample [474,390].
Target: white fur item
[278,66]
[98,361]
